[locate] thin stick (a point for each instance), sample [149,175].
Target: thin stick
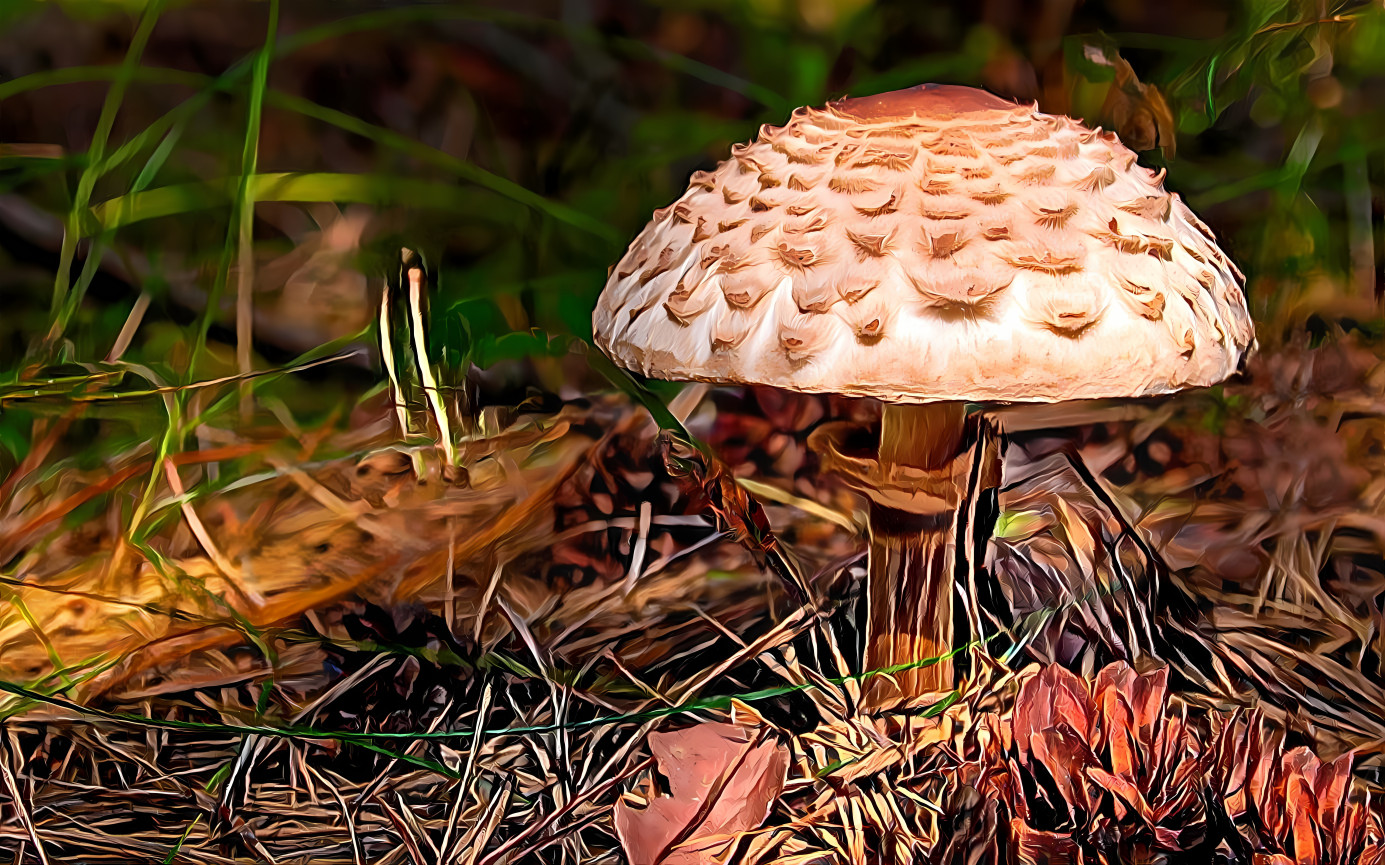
[127,331]
[24,816]
[345,813]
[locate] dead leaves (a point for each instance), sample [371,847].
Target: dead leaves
[1058,769]
[721,782]
[710,485]
[257,556]
[1121,767]
[1299,807]
[1138,112]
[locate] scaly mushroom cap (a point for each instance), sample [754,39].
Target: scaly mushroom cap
[937,243]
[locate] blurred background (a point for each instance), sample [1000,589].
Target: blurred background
[520,145]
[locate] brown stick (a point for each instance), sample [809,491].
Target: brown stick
[911,557]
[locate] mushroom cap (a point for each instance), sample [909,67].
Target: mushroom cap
[936,243]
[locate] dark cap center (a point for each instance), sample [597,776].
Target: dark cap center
[936,100]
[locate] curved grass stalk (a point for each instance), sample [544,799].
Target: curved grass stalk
[245,220]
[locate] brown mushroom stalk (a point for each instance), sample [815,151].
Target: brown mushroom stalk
[912,554]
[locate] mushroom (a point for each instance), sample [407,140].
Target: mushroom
[927,247]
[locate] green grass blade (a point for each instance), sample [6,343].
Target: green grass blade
[182,839]
[90,74]
[245,214]
[65,302]
[378,189]
[463,169]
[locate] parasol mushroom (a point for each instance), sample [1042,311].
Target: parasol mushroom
[927,247]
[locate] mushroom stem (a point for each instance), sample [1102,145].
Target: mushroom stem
[912,555]
[924,436]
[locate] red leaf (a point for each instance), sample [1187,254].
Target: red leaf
[1066,758]
[1113,684]
[1330,790]
[1300,807]
[1036,847]
[1123,790]
[1053,697]
[1149,703]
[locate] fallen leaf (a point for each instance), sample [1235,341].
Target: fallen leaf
[720,782]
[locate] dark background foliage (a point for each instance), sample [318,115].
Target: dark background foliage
[520,145]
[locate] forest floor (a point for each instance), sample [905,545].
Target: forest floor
[348,652]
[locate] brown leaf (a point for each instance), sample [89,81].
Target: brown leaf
[1373,854]
[720,783]
[1138,112]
